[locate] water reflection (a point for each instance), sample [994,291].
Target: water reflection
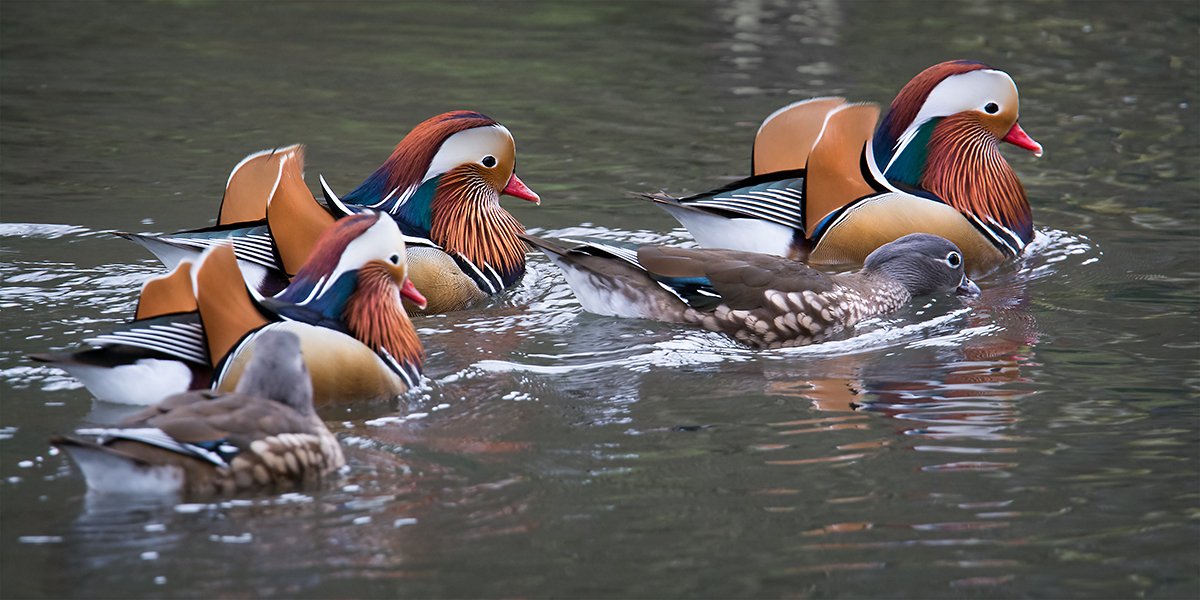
[1038,441]
[434,470]
[763,40]
[950,383]
[389,515]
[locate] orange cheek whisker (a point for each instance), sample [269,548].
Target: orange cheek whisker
[468,219]
[376,316]
[965,168]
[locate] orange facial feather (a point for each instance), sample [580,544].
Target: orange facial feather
[965,168]
[467,218]
[376,316]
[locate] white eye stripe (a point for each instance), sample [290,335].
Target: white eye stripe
[973,90]
[383,236]
[465,146]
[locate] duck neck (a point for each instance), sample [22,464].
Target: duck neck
[375,316]
[875,293]
[966,170]
[325,297]
[904,164]
[468,220]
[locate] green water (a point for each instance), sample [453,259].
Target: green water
[1042,441]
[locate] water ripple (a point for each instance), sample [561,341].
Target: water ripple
[42,230]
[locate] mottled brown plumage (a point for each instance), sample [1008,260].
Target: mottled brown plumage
[264,436]
[761,300]
[825,190]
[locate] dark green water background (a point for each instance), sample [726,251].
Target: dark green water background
[1042,441]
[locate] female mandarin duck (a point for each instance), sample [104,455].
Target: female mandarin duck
[442,184]
[198,326]
[825,191]
[263,435]
[761,300]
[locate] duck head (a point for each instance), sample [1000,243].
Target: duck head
[444,181]
[356,277]
[924,264]
[942,134]
[277,372]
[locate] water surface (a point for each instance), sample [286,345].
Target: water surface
[1039,441]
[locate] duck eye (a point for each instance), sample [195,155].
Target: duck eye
[394,259]
[992,108]
[954,259]
[489,161]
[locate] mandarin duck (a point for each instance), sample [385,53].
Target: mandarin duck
[761,300]
[199,325]
[264,435]
[824,190]
[442,185]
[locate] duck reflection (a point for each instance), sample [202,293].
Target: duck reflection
[960,387]
[398,506]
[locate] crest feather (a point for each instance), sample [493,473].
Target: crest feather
[912,97]
[411,157]
[328,250]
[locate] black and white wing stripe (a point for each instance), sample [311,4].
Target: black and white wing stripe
[485,277]
[250,244]
[776,197]
[180,336]
[780,205]
[253,246]
[410,373]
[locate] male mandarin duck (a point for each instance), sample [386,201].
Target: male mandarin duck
[265,435]
[824,190]
[198,326]
[442,184]
[761,300]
